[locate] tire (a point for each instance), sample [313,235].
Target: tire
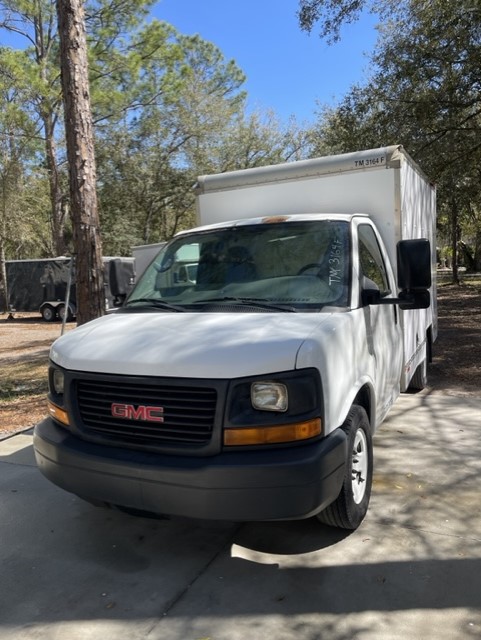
[420,377]
[61,311]
[48,312]
[350,507]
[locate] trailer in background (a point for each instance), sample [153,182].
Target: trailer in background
[42,285]
[143,256]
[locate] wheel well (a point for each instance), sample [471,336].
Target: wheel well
[364,400]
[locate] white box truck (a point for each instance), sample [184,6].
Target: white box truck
[248,386]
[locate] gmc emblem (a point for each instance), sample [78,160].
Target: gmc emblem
[130,412]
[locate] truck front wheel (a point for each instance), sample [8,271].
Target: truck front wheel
[350,507]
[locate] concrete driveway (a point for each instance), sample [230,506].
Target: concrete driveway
[411,571]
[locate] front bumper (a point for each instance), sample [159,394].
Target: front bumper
[272,484]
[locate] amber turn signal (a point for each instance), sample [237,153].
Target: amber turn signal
[272,435]
[57,413]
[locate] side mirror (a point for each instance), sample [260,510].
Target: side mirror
[420,299]
[414,273]
[414,278]
[414,264]
[117,282]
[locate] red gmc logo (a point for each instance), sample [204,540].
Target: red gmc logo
[130,412]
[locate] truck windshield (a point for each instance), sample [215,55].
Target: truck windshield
[302,265]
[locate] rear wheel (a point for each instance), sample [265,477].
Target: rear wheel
[61,313]
[48,313]
[420,377]
[350,507]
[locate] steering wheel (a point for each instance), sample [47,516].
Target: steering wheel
[312,265]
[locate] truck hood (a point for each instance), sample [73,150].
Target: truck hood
[196,345]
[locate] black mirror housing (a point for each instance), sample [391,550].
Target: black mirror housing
[414,278]
[420,299]
[116,281]
[414,264]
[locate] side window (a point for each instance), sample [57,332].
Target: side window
[370,259]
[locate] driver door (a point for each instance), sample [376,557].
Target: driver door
[383,328]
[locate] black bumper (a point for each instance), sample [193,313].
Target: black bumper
[275,484]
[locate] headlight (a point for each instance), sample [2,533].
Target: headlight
[56,400]
[269,396]
[58,382]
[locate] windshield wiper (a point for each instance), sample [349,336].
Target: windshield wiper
[154,303]
[261,303]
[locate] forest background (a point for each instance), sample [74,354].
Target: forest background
[168,107]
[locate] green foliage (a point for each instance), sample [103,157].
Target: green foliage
[166,106]
[424,93]
[331,14]
[186,117]
[21,212]
[181,93]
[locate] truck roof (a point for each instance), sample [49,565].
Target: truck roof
[298,217]
[382,158]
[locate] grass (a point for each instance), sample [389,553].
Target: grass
[23,380]
[23,393]
[446,279]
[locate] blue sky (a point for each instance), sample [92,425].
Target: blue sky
[287,70]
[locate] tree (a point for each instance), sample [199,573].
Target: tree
[184,96]
[254,140]
[23,224]
[333,14]
[424,93]
[149,166]
[166,108]
[35,22]
[81,158]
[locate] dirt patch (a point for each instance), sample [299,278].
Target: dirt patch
[456,366]
[25,342]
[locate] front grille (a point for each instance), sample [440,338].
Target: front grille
[188,412]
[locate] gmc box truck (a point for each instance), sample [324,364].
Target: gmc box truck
[246,373]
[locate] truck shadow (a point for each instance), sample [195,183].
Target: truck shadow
[175,573]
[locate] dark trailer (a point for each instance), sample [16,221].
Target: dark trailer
[41,285]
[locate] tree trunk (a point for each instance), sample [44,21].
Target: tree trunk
[81,158]
[56,196]
[4,294]
[454,232]
[477,251]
